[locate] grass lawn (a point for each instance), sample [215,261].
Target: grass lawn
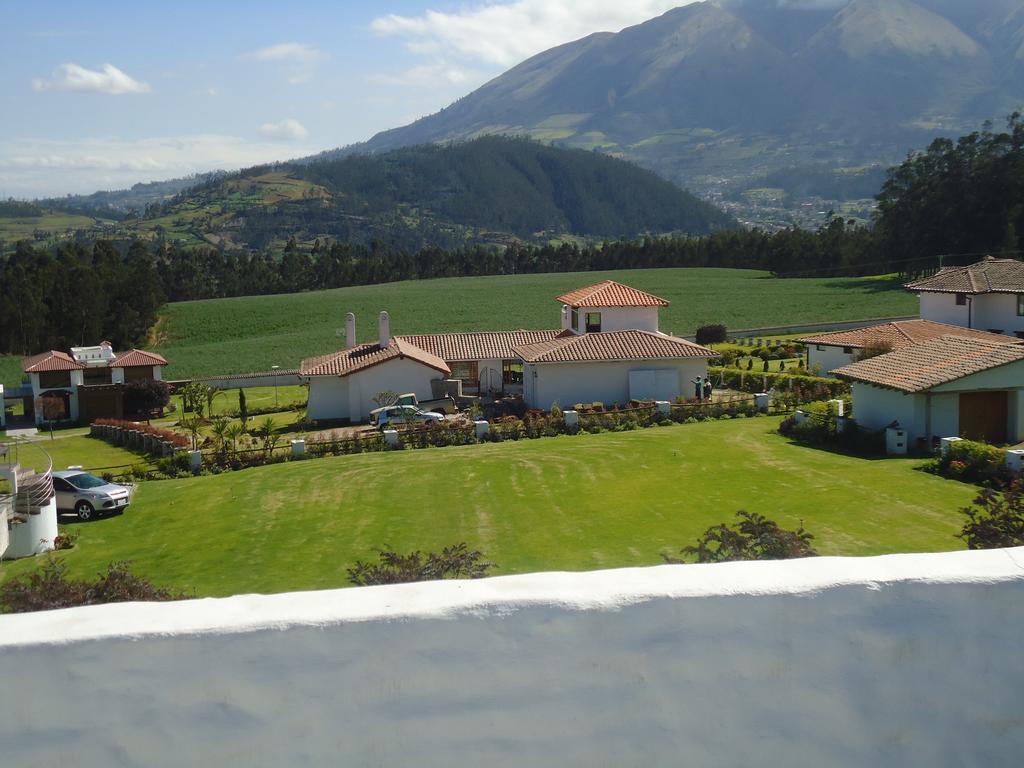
[565,503]
[79,450]
[256,332]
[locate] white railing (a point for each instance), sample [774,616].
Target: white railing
[33,488]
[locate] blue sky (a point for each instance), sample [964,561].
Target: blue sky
[102,95]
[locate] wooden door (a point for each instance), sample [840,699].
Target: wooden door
[983,416]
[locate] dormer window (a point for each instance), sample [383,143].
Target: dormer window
[961,299]
[593,322]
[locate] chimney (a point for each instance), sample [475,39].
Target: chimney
[565,317]
[350,330]
[385,329]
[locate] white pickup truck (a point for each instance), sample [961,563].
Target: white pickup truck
[445,404]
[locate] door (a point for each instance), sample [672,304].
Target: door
[983,416]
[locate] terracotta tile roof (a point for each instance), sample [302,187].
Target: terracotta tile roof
[134,357]
[609,293]
[613,345]
[348,361]
[988,276]
[485,345]
[902,333]
[52,360]
[924,366]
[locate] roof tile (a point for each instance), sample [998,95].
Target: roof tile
[611,345]
[902,333]
[348,361]
[51,360]
[135,357]
[924,366]
[484,345]
[987,276]
[609,293]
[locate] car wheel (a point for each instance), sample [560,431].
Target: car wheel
[84,510]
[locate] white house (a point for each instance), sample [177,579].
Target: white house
[838,348]
[85,384]
[988,295]
[946,387]
[609,349]
[343,384]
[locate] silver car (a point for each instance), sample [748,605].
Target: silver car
[87,495]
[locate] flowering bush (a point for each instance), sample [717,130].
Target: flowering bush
[178,441]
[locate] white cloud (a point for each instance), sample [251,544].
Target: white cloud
[438,73]
[38,168]
[295,52]
[288,129]
[505,33]
[109,79]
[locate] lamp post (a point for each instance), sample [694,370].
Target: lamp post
[274,369]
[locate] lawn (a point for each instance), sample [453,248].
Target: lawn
[565,503]
[79,450]
[256,332]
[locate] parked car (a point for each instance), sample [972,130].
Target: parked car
[87,495]
[444,404]
[402,414]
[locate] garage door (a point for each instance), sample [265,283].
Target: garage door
[983,416]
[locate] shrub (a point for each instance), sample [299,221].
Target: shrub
[754,537]
[996,520]
[48,587]
[145,395]
[711,334]
[454,562]
[972,462]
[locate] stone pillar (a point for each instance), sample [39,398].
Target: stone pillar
[762,400]
[663,408]
[298,448]
[572,418]
[391,438]
[482,428]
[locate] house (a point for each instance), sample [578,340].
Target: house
[838,348]
[954,385]
[86,383]
[988,295]
[609,349]
[343,384]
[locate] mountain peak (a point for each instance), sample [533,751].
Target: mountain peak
[866,29]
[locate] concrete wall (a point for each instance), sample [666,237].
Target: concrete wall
[243,381]
[877,408]
[570,383]
[942,308]
[621,318]
[328,398]
[987,312]
[907,660]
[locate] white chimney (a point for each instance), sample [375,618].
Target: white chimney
[385,329]
[350,330]
[565,317]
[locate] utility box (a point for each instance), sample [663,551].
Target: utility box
[896,441]
[948,442]
[1015,460]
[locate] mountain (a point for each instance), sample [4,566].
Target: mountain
[715,94]
[494,189]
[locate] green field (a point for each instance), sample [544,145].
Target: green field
[253,333]
[565,503]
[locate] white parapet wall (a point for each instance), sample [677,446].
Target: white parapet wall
[905,660]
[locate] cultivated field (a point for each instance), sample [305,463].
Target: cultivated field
[253,333]
[565,503]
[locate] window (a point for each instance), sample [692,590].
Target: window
[847,350]
[512,372]
[593,322]
[62,485]
[51,379]
[468,371]
[1020,305]
[575,318]
[96,376]
[961,299]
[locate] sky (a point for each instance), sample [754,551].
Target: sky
[104,95]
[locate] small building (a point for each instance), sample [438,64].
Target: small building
[88,383]
[838,348]
[946,387]
[343,384]
[988,295]
[611,367]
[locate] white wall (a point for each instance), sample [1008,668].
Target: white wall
[942,308]
[328,398]
[570,383]
[877,408]
[907,660]
[829,358]
[34,536]
[622,318]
